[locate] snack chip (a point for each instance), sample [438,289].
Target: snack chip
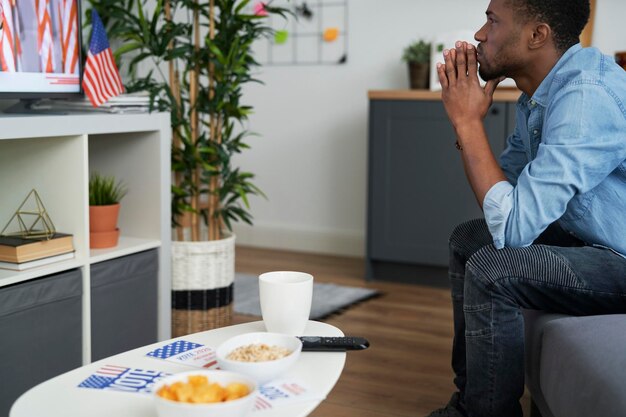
[198,389]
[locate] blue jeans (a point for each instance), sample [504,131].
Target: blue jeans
[490,287]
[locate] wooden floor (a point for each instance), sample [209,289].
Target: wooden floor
[406,371]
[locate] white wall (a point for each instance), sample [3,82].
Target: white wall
[311,158]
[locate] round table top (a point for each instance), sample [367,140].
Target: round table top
[61,396]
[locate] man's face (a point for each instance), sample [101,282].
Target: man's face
[499,48]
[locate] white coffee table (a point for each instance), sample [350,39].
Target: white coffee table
[60,396]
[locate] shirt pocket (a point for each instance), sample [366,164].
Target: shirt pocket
[579,206]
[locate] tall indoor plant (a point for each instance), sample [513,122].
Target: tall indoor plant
[194,59]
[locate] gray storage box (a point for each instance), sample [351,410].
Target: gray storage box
[40,332]
[124,303]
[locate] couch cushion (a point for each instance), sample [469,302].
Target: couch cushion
[534,323]
[583,366]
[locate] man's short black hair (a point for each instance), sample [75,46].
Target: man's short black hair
[567,18]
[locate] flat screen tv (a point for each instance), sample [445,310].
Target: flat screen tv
[40,49]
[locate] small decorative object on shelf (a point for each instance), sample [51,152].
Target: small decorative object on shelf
[105,194]
[30,219]
[34,240]
[417,55]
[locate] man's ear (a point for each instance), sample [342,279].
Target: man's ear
[541,34]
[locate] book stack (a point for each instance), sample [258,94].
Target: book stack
[124,103]
[19,253]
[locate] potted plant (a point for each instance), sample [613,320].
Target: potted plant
[195,59]
[417,55]
[105,194]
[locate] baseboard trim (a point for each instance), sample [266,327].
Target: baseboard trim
[301,240]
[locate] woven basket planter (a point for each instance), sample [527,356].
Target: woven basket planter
[203,274]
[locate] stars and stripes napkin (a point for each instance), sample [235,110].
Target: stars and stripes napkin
[186,353]
[120,378]
[282,392]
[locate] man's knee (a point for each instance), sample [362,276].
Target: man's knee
[487,265]
[469,237]
[534,262]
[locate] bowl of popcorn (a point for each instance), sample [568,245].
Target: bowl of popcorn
[262,356]
[205,393]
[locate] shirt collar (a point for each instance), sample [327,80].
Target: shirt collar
[541,94]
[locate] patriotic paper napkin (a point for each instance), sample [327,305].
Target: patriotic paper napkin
[282,392]
[186,353]
[120,378]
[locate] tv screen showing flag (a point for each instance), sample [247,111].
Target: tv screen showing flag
[40,48]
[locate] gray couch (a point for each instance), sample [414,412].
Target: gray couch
[576,366]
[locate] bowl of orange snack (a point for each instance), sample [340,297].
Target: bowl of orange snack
[262,356]
[205,393]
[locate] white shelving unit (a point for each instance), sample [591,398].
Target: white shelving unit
[55,155]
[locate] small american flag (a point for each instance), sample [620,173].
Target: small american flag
[101,79]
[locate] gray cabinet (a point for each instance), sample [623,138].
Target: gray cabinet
[417,190]
[124,303]
[40,332]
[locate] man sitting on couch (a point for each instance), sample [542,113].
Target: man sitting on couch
[554,234]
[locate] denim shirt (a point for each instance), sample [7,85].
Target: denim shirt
[566,159]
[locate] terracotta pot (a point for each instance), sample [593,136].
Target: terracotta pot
[103,231]
[419,74]
[103,218]
[101,240]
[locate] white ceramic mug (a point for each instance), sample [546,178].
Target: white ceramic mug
[286,301]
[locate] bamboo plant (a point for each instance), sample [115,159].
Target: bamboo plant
[194,58]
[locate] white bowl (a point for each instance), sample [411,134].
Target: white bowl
[264,371]
[240,407]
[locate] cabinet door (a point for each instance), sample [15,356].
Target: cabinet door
[40,332]
[123,303]
[418,191]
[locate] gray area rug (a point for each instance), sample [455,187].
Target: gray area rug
[327,298]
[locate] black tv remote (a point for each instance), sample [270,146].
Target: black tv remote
[332,344]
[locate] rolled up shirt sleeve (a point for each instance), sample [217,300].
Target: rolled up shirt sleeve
[497,206]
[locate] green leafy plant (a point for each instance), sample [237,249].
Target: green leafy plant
[418,51]
[105,190]
[194,58]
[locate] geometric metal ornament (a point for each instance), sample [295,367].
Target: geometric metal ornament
[32,220]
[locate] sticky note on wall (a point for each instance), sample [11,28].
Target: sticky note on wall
[331,34]
[280,37]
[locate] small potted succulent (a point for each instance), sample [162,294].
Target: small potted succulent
[417,55]
[105,194]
